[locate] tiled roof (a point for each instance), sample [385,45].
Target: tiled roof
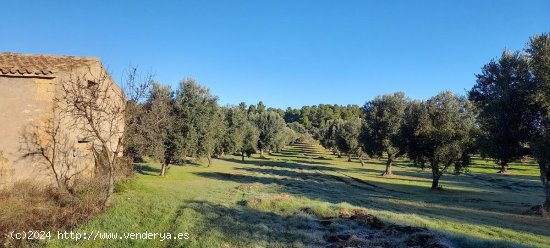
[30,65]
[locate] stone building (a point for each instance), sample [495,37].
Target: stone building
[28,86]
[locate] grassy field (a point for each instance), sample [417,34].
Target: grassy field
[304,196]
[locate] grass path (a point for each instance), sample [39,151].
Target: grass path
[277,202]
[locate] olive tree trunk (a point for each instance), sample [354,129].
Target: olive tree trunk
[436,174]
[111,160]
[503,168]
[164,167]
[388,171]
[111,186]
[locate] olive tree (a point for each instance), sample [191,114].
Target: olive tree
[240,134]
[500,94]
[384,117]
[297,127]
[157,122]
[285,136]
[249,139]
[348,138]
[329,135]
[539,61]
[269,124]
[235,118]
[411,143]
[445,130]
[198,120]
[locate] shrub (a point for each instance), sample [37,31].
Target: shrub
[30,206]
[4,169]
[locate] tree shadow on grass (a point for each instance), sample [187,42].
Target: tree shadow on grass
[317,156]
[187,162]
[500,177]
[479,181]
[447,204]
[281,164]
[312,185]
[300,150]
[146,169]
[242,226]
[284,154]
[310,162]
[474,207]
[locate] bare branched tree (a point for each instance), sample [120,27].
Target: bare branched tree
[49,145]
[137,86]
[96,106]
[88,108]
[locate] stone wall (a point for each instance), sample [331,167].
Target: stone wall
[27,103]
[23,102]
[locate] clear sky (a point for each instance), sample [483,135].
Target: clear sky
[284,52]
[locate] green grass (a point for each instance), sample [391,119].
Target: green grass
[277,202]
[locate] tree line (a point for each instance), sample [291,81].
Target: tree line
[505,116]
[188,124]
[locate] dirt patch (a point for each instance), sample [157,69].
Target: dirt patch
[368,220]
[404,237]
[376,233]
[348,227]
[346,213]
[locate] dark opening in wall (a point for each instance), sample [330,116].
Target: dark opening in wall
[91,84]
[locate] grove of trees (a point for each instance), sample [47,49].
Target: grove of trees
[188,124]
[504,117]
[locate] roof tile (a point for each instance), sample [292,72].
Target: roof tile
[17,64]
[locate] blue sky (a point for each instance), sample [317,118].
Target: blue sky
[286,53]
